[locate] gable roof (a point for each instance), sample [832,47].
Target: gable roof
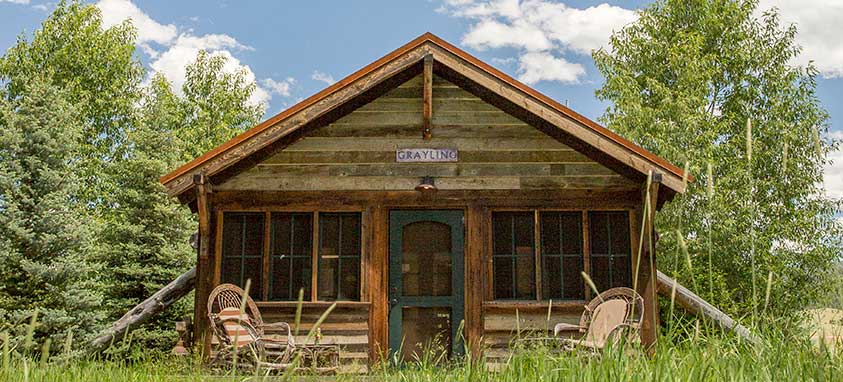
[288,121]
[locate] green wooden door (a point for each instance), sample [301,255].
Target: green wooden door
[425,281]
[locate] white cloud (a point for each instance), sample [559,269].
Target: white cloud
[281,88]
[544,32]
[116,11]
[24,2]
[833,176]
[41,7]
[818,26]
[171,49]
[172,62]
[503,61]
[323,77]
[540,66]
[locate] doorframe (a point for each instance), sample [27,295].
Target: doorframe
[397,219]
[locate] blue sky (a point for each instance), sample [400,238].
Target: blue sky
[294,49]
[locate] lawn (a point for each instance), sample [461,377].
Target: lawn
[692,358]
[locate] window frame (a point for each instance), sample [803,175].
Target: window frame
[220,256]
[292,256]
[586,248]
[315,246]
[339,255]
[513,256]
[610,256]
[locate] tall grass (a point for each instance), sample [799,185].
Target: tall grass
[708,358]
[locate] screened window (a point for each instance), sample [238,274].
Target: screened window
[242,250]
[339,256]
[514,259]
[562,255]
[285,252]
[610,249]
[291,255]
[556,254]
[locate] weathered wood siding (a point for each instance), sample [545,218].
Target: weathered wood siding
[496,150]
[503,326]
[346,326]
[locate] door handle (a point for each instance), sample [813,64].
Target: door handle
[393,302]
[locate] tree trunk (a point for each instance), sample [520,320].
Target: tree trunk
[155,304]
[696,305]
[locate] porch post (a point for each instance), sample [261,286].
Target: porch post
[378,271]
[647,275]
[474,285]
[203,268]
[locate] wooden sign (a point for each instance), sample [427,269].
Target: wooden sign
[426,155]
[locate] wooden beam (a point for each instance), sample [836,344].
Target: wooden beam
[586,253]
[218,250]
[537,255]
[354,200]
[203,269]
[474,283]
[694,304]
[314,259]
[427,96]
[155,304]
[378,279]
[649,326]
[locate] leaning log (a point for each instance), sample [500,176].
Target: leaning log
[696,305]
[155,304]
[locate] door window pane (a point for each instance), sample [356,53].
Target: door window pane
[426,259]
[425,330]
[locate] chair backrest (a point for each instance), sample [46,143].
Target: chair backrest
[237,326]
[231,296]
[609,310]
[606,318]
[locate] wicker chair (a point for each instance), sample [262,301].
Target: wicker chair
[610,317]
[242,337]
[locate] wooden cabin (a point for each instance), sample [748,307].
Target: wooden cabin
[425,193]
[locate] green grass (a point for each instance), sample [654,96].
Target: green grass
[706,358]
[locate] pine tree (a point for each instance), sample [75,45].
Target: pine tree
[145,243]
[43,265]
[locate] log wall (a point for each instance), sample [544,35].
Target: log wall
[346,326]
[505,323]
[496,150]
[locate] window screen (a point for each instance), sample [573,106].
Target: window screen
[339,256]
[242,250]
[562,255]
[291,255]
[610,249]
[514,255]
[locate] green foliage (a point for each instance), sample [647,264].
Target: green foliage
[215,106]
[144,241]
[98,71]
[684,81]
[86,230]
[44,270]
[779,358]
